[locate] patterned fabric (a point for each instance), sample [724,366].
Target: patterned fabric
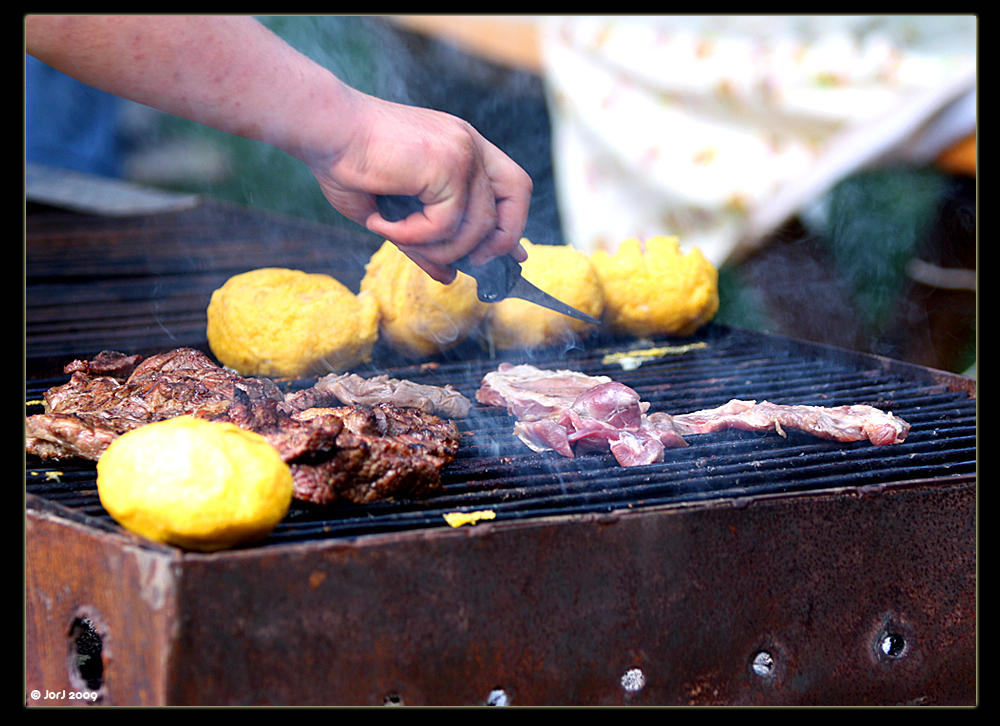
[691,126]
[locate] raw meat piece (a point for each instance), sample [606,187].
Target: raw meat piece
[840,423]
[530,393]
[572,413]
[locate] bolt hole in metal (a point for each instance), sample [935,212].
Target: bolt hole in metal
[893,640]
[634,680]
[88,645]
[498,697]
[763,664]
[891,645]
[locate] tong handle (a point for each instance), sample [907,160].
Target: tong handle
[494,280]
[394,207]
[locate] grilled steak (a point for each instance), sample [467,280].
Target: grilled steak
[365,453]
[113,394]
[357,453]
[571,413]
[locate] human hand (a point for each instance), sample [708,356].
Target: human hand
[475,198]
[231,73]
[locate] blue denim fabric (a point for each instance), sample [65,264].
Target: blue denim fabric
[68,124]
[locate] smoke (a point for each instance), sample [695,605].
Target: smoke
[790,287]
[877,224]
[360,51]
[842,276]
[507,106]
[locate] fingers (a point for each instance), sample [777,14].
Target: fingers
[450,224]
[445,274]
[475,198]
[447,228]
[511,188]
[483,218]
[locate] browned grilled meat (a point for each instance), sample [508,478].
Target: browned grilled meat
[378,452]
[357,453]
[102,401]
[352,389]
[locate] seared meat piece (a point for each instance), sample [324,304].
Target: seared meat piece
[66,436]
[98,404]
[106,363]
[351,389]
[365,454]
[356,453]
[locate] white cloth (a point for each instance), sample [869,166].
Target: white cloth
[716,128]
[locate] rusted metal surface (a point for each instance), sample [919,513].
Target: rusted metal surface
[76,573]
[555,611]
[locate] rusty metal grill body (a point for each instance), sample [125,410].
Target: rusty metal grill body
[744,569]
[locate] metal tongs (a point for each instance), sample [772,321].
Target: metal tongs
[498,279]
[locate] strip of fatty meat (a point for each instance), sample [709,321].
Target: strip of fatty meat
[572,413]
[840,423]
[353,390]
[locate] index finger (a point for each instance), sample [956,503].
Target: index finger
[430,227]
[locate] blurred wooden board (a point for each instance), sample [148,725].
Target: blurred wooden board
[510,40]
[960,158]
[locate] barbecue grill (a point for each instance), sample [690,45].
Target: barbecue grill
[744,569]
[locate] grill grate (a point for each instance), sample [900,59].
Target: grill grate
[494,471]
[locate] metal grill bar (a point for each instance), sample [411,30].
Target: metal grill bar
[495,471]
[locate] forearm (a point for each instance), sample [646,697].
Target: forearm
[227,72]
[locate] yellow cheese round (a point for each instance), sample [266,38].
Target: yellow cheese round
[563,272]
[194,484]
[419,316]
[290,324]
[654,289]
